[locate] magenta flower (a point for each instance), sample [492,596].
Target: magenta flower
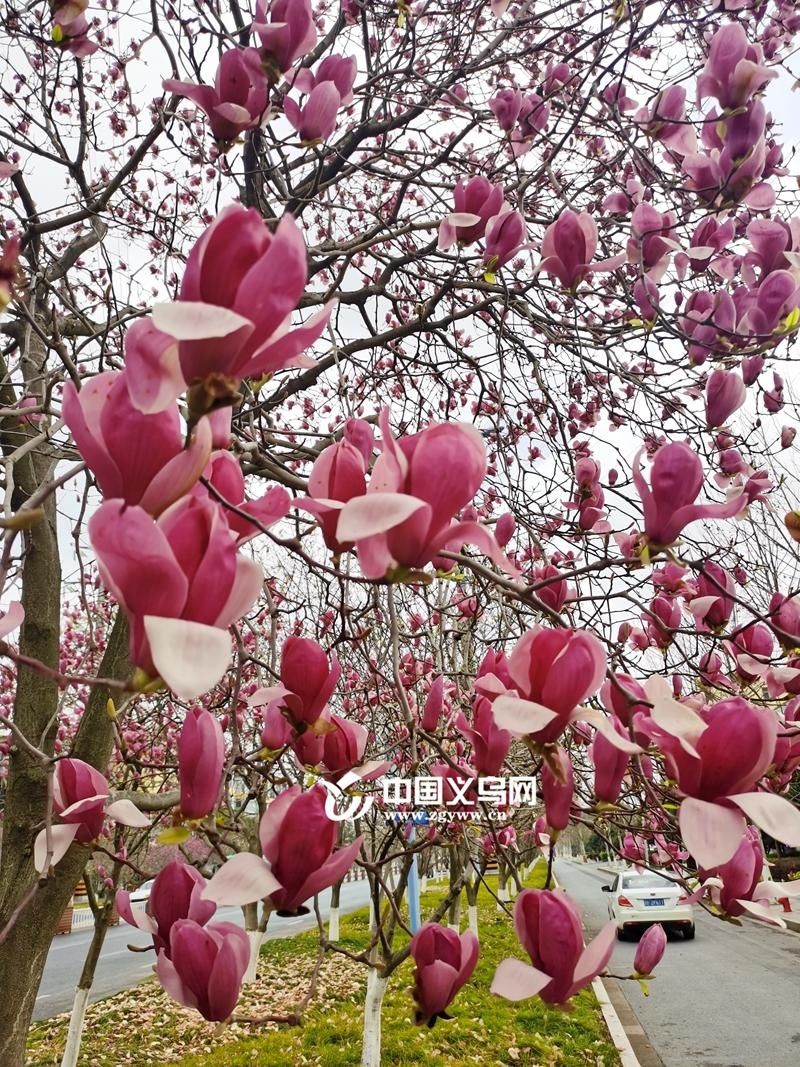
[315,121]
[81,803]
[650,950]
[134,457]
[558,789]
[717,756]
[548,925]
[9,267]
[233,319]
[665,121]
[569,246]
[676,478]
[713,606]
[201,757]
[298,841]
[181,583]
[506,106]
[552,672]
[238,98]
[287,32]
[205,967]
[490,743]
[734,70]
[176,894]
[434,706]
[505,234]
[475,203]
[224,472]
[444,962]
[610,766]
[407,515]
[338,475]
[343,747]
[725,394]
[308,678]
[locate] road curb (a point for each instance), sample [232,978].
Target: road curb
[627,1057]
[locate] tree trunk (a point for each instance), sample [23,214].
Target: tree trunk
[472,914]
[373,1005]
[24,952]
[454,914]
[333,915]
[85,982]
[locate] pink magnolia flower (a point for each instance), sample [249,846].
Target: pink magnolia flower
[444,962]
[676,477]
[338,475]
[308,678]
[134,457]
[569,246]
[734,70]
[558,789]
[315,121]
[341,70]
[505,235]
[434,706]
[725,394]
[287,32]
[652,242]
[475,203]
[548,925]
[11,619]
[552,672]
[650,950]
[201,757]
[505,528]
[717,756]
[506,106]
[665,121]
[625,698]
[176,894]
[71,27]
[610,766]
[81,803]
[224,473]
[490,744]
[713,606]
[343,747]
[557,590]
[181,583]
[205,967]
[298,840]
[406,517]
[9,269]
[232,320]
[750,648]
[237,99]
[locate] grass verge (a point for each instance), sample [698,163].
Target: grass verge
[143,1027]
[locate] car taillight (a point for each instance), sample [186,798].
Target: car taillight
[624,902]
[683,900]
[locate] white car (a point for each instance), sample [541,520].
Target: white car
[141,894]
[637,900]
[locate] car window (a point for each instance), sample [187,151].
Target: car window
[645,881]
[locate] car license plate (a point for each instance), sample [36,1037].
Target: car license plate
[657,902]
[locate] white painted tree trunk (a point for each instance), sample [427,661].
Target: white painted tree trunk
[472,916]
[76,1022]
[373,1005]
[256,939]
[333,925]
[423,884]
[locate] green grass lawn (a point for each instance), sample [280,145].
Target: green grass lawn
[143,1027]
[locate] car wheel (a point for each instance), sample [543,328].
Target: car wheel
[622,935]
[688,933]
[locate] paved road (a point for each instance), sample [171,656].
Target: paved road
[730,998]
[119,968]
